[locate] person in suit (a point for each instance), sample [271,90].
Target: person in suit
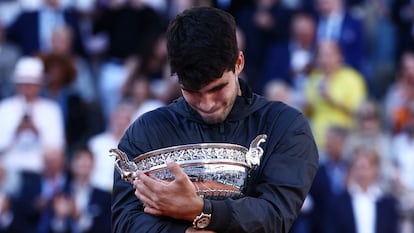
[291,61]
[330,178]
[32,30]
[37,192]
[84,208]
[336,23]
[364,206]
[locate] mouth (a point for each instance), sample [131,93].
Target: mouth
[208,112]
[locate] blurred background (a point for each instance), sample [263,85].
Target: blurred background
[75,73]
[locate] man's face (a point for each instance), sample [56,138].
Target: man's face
[215,100]
[29,91]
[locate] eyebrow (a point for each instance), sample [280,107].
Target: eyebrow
[218,87]
[212,89]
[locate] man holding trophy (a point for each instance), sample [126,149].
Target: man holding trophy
[200,140]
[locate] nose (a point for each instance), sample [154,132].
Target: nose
[206,103]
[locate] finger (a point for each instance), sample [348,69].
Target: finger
[142,191]
[153,211]
[146,200]
[149,183]
[176,169]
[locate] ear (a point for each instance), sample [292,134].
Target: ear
[239,63]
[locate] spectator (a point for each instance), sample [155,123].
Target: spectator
[9,54]
[84,83]
[39,191]
[334,91]
[100,144]
[379,31]
[79,123]
[338,24]
[29,122]
[138,90]
[83,208]
[403,154]
[401,94]
[368,129]
[364,206]
[32,29]
[292,61]
[131,28]
[153,66]
[330,178]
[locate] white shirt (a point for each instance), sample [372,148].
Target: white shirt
[330,27]
[364,207]
[103,172]
[47,118]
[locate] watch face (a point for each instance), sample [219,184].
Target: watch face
[203,221]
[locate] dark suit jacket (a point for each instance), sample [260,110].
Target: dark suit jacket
[27,214]
[352,41]
[99,207]
[277,64]
[24,31]
[341,219]
[321,193]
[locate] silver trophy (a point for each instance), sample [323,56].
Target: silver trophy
[217,170]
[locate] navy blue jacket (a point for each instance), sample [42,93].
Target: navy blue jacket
[25,31]
[276,189]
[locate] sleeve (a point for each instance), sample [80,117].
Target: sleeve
[127,211]
[276,190]
[353,98]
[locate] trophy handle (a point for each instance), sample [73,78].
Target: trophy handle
[255,151]
[124,166]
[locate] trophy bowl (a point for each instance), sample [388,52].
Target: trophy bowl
[217,170]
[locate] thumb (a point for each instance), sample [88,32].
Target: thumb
[175,168]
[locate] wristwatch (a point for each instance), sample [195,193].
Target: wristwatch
[203,220]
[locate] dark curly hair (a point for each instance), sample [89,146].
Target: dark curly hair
[201,45]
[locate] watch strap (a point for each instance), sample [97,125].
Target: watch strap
[203,220]
[207,208]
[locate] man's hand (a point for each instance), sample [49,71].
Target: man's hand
[26,124]
[176,199]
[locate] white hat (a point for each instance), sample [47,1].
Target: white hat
[29,70]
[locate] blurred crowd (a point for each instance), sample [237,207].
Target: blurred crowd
[75,73]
